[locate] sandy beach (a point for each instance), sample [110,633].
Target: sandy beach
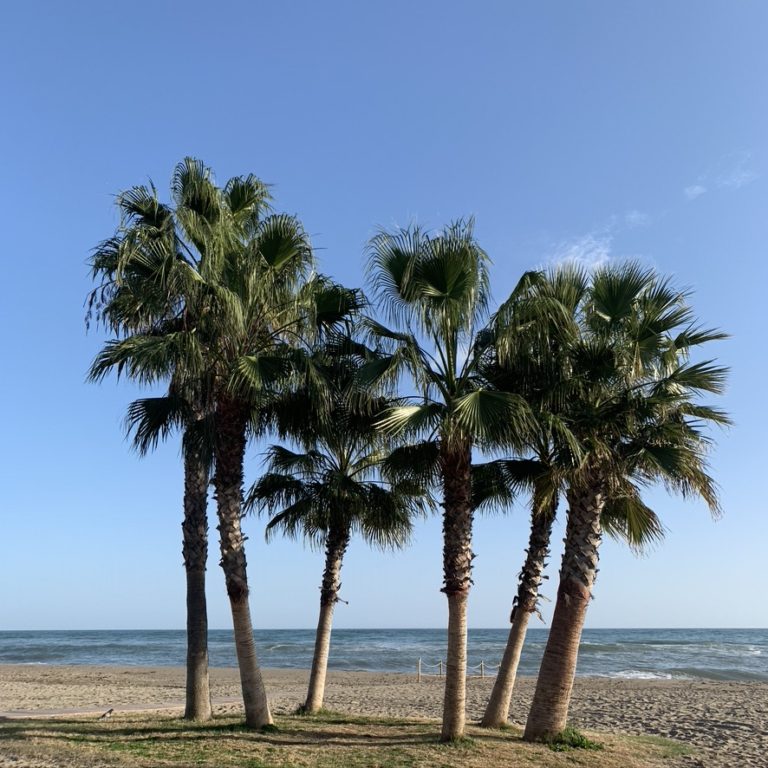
[725,721]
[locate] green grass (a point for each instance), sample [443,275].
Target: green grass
[570,738]
[668,747]
[324,740]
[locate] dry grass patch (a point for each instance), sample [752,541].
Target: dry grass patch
[328,740]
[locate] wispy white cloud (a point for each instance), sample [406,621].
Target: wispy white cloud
[733,171]
[589,251]
[694,191]
[596,247]
[738,172]
[634,219]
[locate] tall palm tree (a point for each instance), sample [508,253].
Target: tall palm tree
[634,524]
[527,356]
[246,295]
[524,355]
[544,499]
[148,421]
[332,487]
[435,289]
[633,407]
[143,280]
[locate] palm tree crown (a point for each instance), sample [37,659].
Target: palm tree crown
[435,288]
[632,404]
[334,482]
[332,488]
[231,288]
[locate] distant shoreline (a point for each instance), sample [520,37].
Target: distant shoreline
[127,668]
[709,654]
[386,629]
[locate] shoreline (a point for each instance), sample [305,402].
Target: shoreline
[724,720]
[722,654]
[638,676]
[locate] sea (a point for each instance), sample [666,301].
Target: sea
[651,654]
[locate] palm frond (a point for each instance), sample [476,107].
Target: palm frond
[494,417]
[417,462]
[282,242]
[705,376]
[149,358]
[274,490]
[247,199]
[411,419]
[152,419]
[260,372]
[305,464]
[490,490]
[334,307]
[627,518]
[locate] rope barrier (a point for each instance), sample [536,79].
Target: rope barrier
[481,668]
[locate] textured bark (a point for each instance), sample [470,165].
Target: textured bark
[525,603]
[229,443]
[549,710]
[497,711]
[338,540]
[455,464]
[195,551]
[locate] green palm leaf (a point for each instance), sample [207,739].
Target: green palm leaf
[494,417]
[411,419]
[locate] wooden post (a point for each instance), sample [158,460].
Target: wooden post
[418,671]
[482,669]
[440,667]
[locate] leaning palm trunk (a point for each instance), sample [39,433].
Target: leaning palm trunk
[525,604]
[455,463]
[338,540]
[195,530]
[229,443]
[549,710]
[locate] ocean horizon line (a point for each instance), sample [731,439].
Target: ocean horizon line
[614,628]
[639,652]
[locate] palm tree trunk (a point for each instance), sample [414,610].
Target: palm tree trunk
[229,446]
[525,604]
[338,540]
[549,710]
[455,464]
[195,552]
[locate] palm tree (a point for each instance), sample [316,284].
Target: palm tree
[544,498]
[332,489]
[528,356]
[632,406]
[435,289]
[246,294]
[149,420]
[524,356]
[143,279]
[634,524]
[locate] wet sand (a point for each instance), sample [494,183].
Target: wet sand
[727,722]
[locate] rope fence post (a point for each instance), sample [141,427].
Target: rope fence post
[481,669]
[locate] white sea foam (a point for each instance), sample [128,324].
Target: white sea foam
[635,674]
[641,654]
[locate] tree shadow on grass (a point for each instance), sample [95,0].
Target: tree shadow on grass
[333,730]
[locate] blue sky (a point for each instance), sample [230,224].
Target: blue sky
[591,130]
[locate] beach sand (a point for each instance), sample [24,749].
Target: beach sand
[726,722]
